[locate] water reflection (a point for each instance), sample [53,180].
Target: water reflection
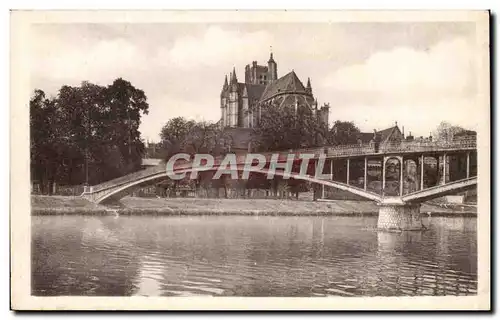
[149,277]
[250,256]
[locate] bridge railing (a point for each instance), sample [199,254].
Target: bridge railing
[341,150]
[129,177]
[405,146]
[346,150]
[316,151]
[402,146]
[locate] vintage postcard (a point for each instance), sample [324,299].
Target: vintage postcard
[250,160]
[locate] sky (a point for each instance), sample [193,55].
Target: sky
[374,74]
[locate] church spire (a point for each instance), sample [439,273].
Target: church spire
[225,86]
[271,58]
[233,77]
[309,88]
[272,68]
[234,81]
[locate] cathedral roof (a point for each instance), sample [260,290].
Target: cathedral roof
[293,99]
[288,83]
[254,91]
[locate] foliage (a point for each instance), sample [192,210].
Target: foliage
[446,131]
[284,127]
[189,136]
[343,133]
[86,126]
[174,135]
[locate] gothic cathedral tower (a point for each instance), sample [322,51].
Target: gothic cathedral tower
[224,97]
[272,69]
[241,102]
[233,101]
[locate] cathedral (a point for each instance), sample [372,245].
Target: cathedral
[242,103]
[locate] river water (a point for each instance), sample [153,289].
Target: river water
[250,256]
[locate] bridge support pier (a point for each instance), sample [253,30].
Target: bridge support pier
[400,217]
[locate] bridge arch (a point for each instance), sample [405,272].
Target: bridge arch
[440,190]
[392,167]
[118,192]
[411,175]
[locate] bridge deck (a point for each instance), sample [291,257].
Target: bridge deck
[368,150]
[129,177]
[440,190]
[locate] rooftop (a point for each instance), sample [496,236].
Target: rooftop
[288,83]
[366,137]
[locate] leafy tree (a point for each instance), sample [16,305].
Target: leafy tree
[343,133]
[182,135]
[446,131]
[86,126]
[189,136]
[207,137]
[43,139]
[286,127]
[78,108]
[124,105]
[174,135]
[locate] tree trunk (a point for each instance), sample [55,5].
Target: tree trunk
[49,187]
[173,192]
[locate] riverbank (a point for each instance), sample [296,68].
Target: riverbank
[65,205]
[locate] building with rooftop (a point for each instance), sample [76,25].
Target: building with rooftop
[390,135]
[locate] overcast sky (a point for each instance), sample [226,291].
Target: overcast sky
[374,74]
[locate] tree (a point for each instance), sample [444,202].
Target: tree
[104,123]
[343,133]
[86,133]
[287,127]
[189,136]
[174,135]
[124,105]
[207,137]
[79,109]
[44,140]
[445,131]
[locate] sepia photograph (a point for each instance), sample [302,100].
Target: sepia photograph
[295,159]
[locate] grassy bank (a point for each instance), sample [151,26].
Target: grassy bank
[56,205]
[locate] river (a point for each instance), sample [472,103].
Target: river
[250,256]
